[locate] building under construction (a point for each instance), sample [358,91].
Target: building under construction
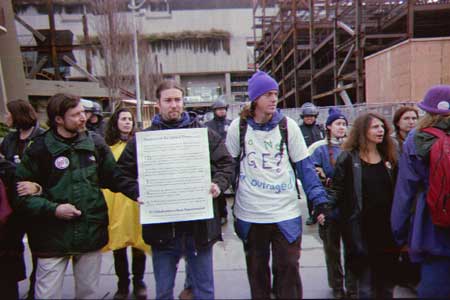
[315,49]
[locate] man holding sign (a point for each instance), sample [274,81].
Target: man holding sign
[172,239]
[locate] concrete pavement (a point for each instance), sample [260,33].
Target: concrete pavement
[229,270]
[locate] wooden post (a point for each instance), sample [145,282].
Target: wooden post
[411,18]
[86,41]
[113,74]
[54,54]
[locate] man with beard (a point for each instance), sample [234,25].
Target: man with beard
[69,218]
[220,125]
[192,239]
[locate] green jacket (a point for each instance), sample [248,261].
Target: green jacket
[424,141]
[69,171]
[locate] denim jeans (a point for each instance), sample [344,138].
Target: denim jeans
[435,278]
[199,262]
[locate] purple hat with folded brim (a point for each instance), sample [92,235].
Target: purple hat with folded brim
[437,100]
[259,84]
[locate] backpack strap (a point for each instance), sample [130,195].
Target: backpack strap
[242,153]
[242,133]
[283,126]
[435,132]
[284,136]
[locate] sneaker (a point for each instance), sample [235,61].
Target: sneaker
[121,294]
[140,290]
[310,221]
[186,294]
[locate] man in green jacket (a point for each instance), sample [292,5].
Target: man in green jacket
[69,219]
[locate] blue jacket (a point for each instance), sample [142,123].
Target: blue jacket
[321,157]
[412,225]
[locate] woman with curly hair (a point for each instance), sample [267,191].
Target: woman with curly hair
[362,189]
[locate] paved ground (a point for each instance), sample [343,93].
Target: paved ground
[230,272]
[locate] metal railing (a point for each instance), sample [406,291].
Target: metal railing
[387,110]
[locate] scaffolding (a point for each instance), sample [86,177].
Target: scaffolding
[315,48]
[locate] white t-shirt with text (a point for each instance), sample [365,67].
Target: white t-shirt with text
[267,192]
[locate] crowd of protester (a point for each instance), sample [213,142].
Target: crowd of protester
[374,187]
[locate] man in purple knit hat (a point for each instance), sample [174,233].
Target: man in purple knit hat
[412,224]
[267,207]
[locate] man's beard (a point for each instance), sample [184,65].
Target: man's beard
[174,116]
[74,130]
[220,118]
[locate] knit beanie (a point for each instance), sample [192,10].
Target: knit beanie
[437,100]
[333,115]
[259,84]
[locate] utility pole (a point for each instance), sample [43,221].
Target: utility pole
[134,8]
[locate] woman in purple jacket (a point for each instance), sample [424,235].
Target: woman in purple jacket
[428,244]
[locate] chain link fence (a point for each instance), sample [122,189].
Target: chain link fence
[351,112]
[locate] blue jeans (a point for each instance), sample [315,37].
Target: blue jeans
[199,262]
[435,278]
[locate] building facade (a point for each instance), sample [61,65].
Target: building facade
[206,45]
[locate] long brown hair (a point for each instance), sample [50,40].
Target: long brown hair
[399,113]
[248,110]
[112,132]
[357,138]
[328,138]
[429,120]
[22,113]
[397,116]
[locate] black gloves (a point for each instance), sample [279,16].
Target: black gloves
[323,208]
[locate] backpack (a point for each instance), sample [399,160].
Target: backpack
[284,140]
[438,195]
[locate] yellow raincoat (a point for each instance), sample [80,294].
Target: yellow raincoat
[124,226]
